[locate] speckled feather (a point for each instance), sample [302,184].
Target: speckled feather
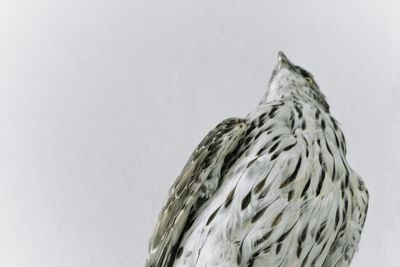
[283,193]
[199,179]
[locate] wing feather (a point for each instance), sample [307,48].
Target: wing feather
[198,180]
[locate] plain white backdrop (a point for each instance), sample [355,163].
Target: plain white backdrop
[102,102]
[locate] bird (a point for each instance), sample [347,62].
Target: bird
[271,189]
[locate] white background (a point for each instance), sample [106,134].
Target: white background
[102,102]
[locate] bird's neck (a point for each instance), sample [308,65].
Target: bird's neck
[296,95]
[295,113]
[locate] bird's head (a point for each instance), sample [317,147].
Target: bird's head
[288,77]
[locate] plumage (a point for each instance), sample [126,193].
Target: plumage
[197,182]
[273,189]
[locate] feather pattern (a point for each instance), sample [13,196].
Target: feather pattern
[198,180]
[281,194]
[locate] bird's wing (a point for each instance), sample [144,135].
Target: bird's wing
[192,188]
[359,207]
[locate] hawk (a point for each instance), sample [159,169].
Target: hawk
[272,189]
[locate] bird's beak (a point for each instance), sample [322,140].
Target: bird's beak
[283,61]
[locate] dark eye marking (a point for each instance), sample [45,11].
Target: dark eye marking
[303,72]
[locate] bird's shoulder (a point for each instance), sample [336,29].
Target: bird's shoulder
[197,182]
